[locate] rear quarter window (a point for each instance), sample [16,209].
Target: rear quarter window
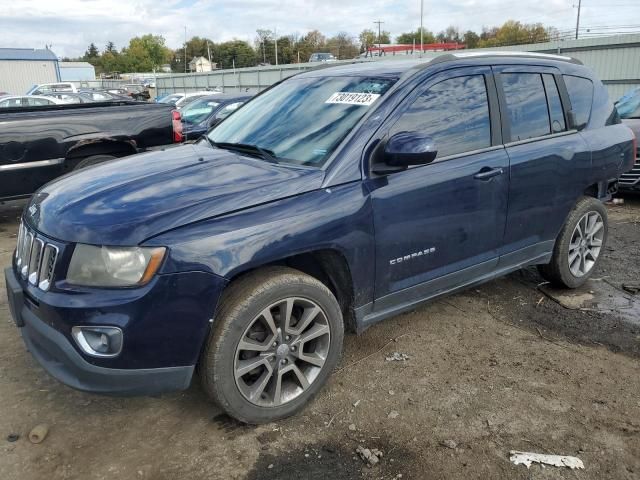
[581,96]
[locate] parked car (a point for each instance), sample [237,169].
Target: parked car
[137,92]
[335,199]
[322,57]
[40,144]
[629,109]
[104,96]
[182,99]
[69,97]
[206,112]
[21,101]
[52,87]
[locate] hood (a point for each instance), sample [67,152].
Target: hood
[126,201]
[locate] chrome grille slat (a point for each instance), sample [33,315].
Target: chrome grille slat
[26,257]
[35,258]
[34,262]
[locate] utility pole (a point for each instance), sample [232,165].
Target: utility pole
[578,20]
[421,26]
[185,49]
[208,52]
[379,37]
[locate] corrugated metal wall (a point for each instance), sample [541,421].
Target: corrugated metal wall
[71,74]
[615,59]
[18,76]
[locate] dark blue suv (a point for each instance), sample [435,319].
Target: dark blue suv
[333,200]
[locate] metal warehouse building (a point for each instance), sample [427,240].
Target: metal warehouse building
[21,68]
[77,71]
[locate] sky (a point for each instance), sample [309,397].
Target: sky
[69,26]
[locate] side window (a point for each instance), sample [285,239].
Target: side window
[454,112]
[556,114]
[34,102]
[581,96]
[526,105]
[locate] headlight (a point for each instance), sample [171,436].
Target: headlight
[113,266]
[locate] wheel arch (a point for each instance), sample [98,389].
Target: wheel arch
[329,266]
[118,147]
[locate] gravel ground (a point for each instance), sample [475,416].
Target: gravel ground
[498,368]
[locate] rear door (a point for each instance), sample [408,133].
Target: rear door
[547,159]
[440,225]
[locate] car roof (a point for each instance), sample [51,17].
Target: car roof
[396,68]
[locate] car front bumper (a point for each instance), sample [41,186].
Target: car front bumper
[51,345]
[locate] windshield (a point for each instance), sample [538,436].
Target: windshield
[199,110]
[303,120]
[629,105]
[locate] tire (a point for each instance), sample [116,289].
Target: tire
[93,160]
[573,271]
[224,365]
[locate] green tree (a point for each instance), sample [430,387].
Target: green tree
[515,33]
[236,52]
[342,46]
[92,51]
[370,38]
[409,37]
[471,39]
[110,48]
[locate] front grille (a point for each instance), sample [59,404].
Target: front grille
[35,258]
[632,177]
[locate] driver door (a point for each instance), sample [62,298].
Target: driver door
[440,225]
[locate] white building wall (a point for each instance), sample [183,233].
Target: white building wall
[18,76]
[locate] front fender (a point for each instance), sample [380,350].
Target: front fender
[338,219]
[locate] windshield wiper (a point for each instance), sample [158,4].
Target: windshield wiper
[263,153]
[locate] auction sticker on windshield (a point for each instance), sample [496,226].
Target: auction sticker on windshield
[353,98]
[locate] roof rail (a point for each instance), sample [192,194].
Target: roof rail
[449,57]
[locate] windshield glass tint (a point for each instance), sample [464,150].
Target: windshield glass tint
[303,120]
[198,110]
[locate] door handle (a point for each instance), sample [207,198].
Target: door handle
[487,173]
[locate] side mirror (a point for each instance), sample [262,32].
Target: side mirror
[409,148]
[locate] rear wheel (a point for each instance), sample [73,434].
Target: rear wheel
[93,160]
[578,248]
[276,338]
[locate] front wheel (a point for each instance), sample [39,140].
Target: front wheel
[277,337]
[579,246]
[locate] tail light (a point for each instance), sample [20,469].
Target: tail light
[177,127]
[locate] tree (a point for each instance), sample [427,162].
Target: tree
[262,38]
[450,35]
[342,46]
[515,33]
[370,38]
[471,39]
[110,48]
[198,47]
[409,37]
[92,51]
[235,52]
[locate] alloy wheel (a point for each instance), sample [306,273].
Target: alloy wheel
[586,243]
[282,352]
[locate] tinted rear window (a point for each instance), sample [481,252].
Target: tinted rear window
[581,96]
[526,105]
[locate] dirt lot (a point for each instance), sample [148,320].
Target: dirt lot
[499,368]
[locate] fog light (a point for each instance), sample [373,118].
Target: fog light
[98,341]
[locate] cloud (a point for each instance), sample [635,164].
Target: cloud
[70,25]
